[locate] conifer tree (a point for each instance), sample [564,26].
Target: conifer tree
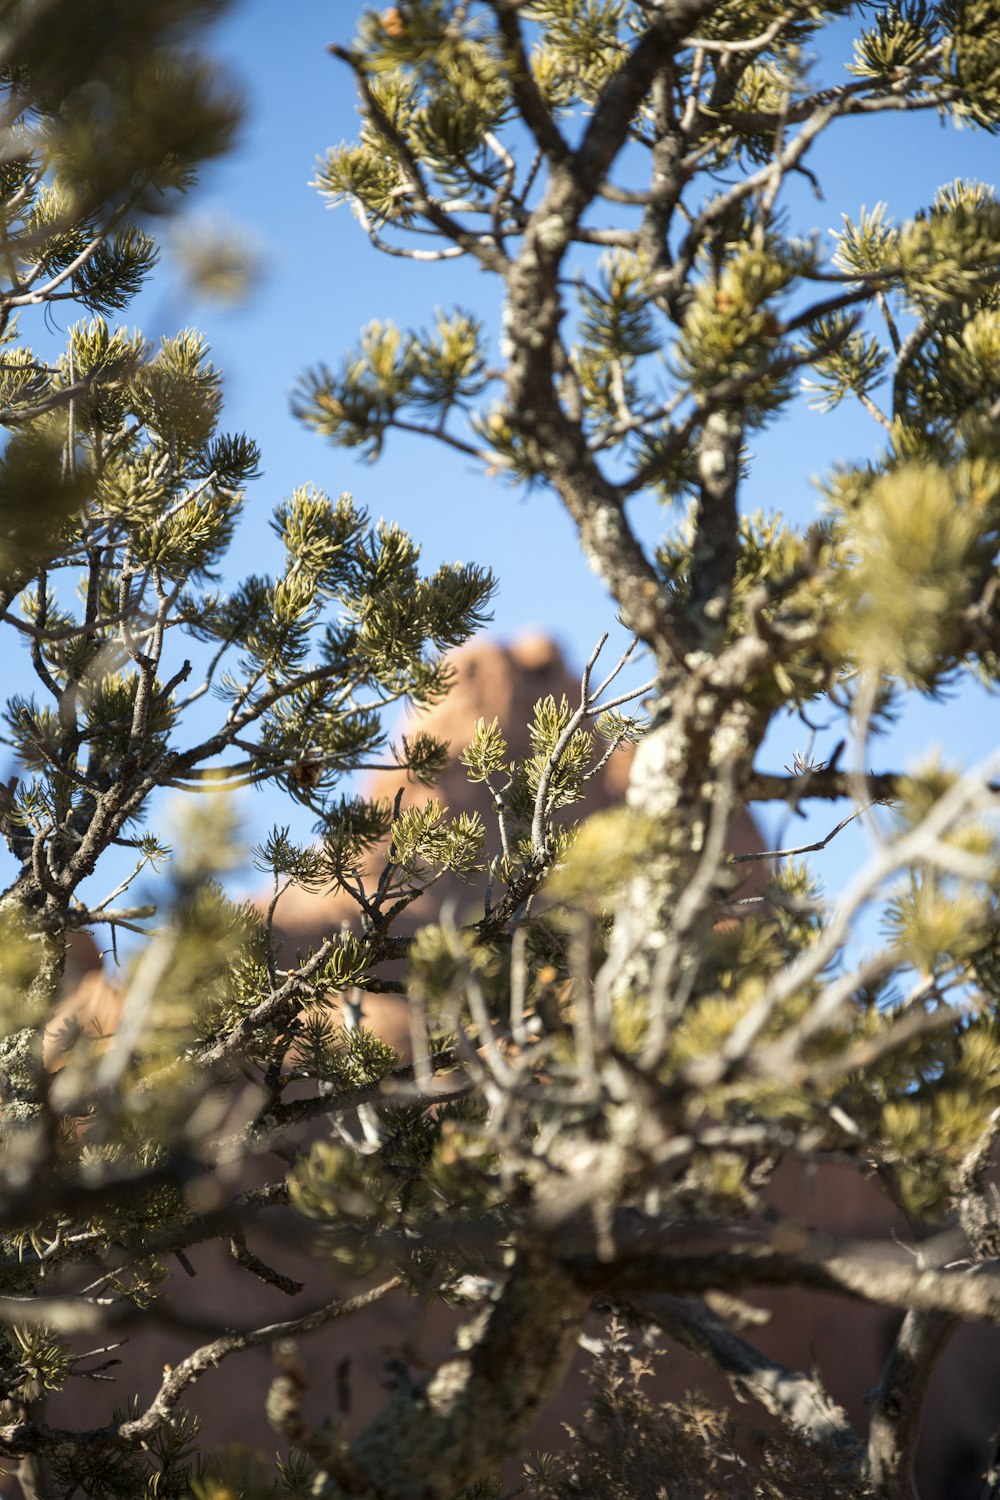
[620,171]
[119,494]
[614,1057]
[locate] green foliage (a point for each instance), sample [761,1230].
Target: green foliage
[486,753]
[731,329]
[622,1032]
[422,838]
[857,367]
[43,1363]
[969,56]
[915,544]
[167,1466]
[899,39]
[615,842]
[435,372]
[344,1059]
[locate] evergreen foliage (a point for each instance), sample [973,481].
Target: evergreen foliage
[612,1061]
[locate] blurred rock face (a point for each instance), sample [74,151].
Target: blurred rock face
[491,680]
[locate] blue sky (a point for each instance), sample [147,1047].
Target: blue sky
[323,282]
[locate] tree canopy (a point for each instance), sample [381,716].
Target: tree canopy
[616,1048]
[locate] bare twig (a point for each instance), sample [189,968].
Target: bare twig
[742,859]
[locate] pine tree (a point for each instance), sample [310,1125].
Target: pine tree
[608,1068]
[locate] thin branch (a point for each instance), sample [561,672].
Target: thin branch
[897,1402]
[401,252]
[32,1437]
[587,708]
[823,783]
[244,1256]
[798,1399]
[482,246]
[742,859]
[531,104]
[752,44]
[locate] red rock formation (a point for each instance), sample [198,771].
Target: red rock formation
[491,680]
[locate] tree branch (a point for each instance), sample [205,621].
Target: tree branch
[898,1400]
[433,1438]
[710,1258]
[799,1400]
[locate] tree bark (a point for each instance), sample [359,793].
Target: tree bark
[898,1401]
[434,1438]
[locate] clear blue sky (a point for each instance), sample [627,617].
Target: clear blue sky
[323,282]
